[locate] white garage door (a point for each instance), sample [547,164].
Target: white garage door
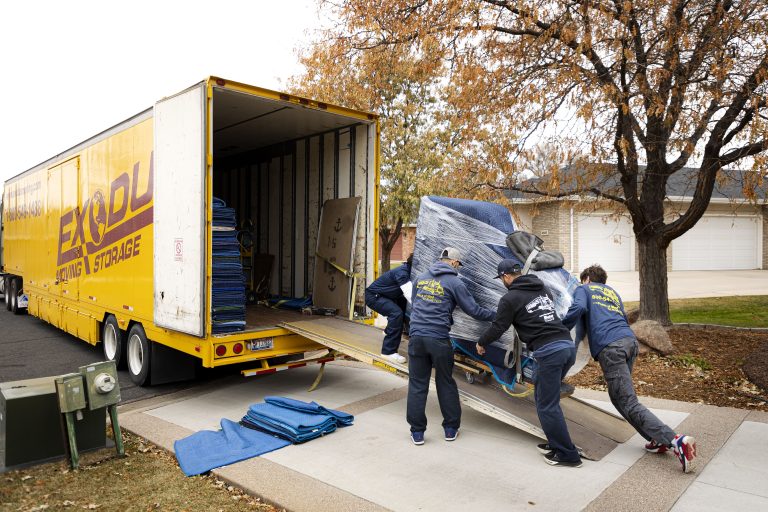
[610,244]
[717,243]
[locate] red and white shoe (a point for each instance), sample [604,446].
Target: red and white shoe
[685,448]
[655,447]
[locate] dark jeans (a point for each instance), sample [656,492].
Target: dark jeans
[617,360]
[395,312]
[424,354]
[551,371]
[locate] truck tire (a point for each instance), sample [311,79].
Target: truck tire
[138,355]
[113,340]
[7,292]
[14,296]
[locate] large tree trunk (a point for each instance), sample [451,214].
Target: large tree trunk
[386,258]
[654,303]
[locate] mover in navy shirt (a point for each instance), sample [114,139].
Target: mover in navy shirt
[435,295]
[385,297]
[614,345]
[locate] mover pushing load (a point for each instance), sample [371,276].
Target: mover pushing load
[119,239]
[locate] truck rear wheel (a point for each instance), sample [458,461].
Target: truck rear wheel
[138,355]
[7,293]
[14,296]
[113,340]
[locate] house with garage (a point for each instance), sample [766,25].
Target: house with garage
[732,234]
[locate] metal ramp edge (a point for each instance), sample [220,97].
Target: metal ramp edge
[596,432]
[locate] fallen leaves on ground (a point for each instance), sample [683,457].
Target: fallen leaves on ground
[147,479]
[706,367]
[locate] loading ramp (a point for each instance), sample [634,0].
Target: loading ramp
[596,432]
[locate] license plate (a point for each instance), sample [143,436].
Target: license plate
[262,344]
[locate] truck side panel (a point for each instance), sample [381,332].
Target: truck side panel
[82,238]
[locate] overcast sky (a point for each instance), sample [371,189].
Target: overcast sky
[70,69]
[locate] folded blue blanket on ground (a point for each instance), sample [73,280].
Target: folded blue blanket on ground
[343,418]
[296,426]
[295,420]
[207,449]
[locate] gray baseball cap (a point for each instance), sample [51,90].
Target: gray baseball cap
[451,253]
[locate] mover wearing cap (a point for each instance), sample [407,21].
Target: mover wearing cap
[529,307]
[436,293]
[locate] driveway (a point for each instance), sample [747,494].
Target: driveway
[696,283]
[373,467]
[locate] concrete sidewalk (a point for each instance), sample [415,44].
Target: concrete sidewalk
[372,465]
[696,283]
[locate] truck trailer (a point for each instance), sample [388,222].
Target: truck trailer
[111,240]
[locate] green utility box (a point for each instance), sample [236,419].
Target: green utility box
[101,384]
[71,392]
[31,428]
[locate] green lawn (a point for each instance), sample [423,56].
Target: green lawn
[740,311]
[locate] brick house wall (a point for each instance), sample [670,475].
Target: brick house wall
[553,225]
[408,235]
[404,244]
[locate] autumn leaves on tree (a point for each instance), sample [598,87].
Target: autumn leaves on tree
[634,90]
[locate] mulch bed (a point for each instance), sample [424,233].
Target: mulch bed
[723,367]
[756,367]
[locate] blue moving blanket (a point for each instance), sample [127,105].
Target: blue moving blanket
[206,450]
[343,418]
[294,420]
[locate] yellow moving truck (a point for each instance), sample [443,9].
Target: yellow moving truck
[111,239]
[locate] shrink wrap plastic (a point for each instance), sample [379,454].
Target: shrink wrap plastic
[479,230]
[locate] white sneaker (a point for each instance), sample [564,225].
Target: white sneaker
[395,358]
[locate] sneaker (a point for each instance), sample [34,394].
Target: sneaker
[655,447]
[395,358]
[451,433]
[417,438]
[685,449]
[545,449]
[566,390]
[553,459]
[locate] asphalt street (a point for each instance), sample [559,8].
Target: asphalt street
[31,348]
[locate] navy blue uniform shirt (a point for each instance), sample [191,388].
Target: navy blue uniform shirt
[436,293]
[603,312]
[388,284]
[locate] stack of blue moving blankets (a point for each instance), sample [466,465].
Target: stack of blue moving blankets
[266,427]
[228,294]
[294,420]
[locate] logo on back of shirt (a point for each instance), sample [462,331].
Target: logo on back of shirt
[544,305]
[430,290]
[605,297]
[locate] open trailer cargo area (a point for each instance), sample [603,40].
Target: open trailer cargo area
[111,240]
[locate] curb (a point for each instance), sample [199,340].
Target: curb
[716,326]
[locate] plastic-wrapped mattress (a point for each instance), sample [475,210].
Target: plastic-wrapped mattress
[479,230]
